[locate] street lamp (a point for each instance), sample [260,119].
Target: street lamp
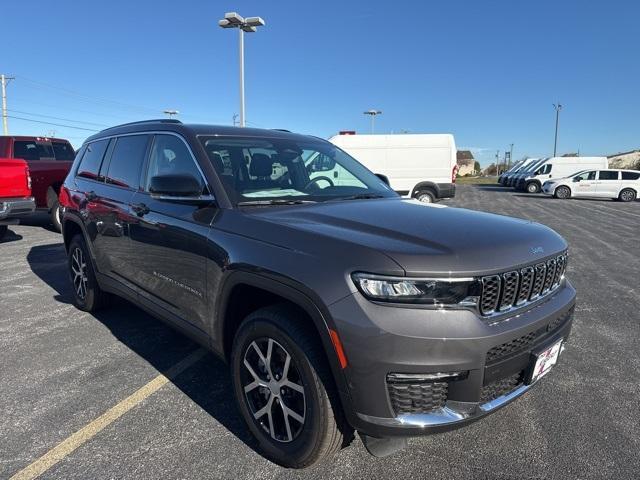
[171,113]
[557,108]
[249,25]
[373,114]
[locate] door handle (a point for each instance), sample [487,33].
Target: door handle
[91,196]
[140,209]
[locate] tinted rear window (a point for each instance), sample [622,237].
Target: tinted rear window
[63,151]
[32,150]
[90,164]
[630,175]
[605,175]
[126,161]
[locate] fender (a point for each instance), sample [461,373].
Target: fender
[426,186]
[300,296]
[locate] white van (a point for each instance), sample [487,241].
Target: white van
[421,166]
[560,167]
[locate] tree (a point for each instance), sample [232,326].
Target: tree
[476,166]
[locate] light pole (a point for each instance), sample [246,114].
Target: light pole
[171,113]
[373,114]
[557,108]
[249,25]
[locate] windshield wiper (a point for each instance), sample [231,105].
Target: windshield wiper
[361,196]
[278,201]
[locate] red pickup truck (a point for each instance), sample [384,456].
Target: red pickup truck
[49,161]
[15,192]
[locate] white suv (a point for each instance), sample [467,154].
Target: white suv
[622,185]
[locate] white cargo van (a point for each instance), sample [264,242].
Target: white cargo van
[559,167]
[421,166]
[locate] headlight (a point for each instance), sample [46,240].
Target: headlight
[436,291]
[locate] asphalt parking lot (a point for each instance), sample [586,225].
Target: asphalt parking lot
[62,368]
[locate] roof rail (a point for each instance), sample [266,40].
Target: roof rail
[281,130]
[142,122]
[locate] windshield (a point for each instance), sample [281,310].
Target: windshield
[260,170]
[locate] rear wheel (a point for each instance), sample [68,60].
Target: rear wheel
[56,216]
[3,231]
[533,187]
[426,196]
[87,294]
[284,389]
[627,195]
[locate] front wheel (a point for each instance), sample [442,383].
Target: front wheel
[533,187]
[284,389]
[627,195]
[562,193]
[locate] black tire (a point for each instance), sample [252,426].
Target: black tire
[87,294]
[3,231]
[562,192]
[283,438]
[627,195]
[56,218]
[533,187]
[425,196]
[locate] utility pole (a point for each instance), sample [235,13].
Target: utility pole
[510,155]
[5,80]
[557,108]
[497,161]
[235,119]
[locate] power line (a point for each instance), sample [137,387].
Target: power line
[51,123]
[58,118]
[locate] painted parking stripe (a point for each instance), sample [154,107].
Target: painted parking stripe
[87,432]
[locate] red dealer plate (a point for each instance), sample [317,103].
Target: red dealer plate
[545,360]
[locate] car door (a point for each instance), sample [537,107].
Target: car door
[111,204]
[169,236]
[584,184]
[608,183]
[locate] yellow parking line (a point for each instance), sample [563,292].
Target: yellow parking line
[87,432]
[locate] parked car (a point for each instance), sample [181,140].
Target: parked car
[15,193]
[338,307]
[622,185]
[421,166]
[557,167]
[514,167]
[49,161]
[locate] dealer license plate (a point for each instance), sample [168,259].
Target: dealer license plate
[545,360]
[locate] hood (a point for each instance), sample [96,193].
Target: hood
[426,238]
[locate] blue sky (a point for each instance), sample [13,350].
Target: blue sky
[488,71]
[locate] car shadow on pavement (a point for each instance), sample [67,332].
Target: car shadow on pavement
[207,383]
[38,219]
[10,236]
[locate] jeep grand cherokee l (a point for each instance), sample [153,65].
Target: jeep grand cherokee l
[338,307]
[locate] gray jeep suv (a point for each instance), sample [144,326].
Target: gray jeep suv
[339,308]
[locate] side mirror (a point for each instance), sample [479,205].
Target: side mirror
[384,178]
[322,163]
[183,185]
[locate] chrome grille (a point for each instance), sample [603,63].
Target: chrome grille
[510,281]
[551,273]
[490,294]
[526,283]
[515,288]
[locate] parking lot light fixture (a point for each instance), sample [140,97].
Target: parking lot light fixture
[557,107]
[373,114]
[249,25]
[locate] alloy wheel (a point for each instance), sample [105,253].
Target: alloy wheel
[79,272]
[273,389]
[627,195]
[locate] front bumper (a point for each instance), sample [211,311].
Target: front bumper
[11,208]
[548,188]
[380,340]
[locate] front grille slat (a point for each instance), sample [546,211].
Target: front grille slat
[502,292]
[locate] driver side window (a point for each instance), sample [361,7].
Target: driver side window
[587,176]
[170,156]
